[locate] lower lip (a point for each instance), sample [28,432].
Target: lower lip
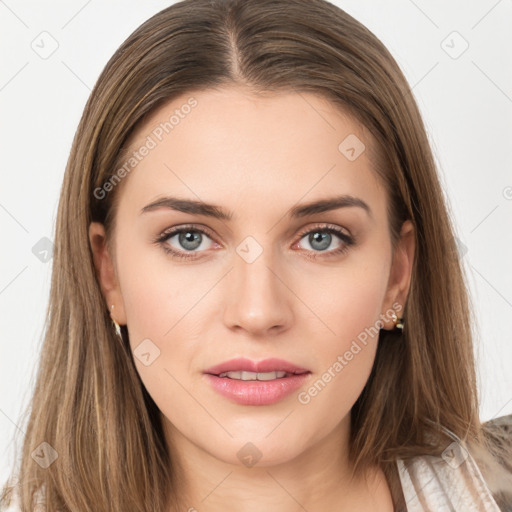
[256,392]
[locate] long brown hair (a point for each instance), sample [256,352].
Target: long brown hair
[89,403]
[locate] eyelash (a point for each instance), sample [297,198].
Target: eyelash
[347,240]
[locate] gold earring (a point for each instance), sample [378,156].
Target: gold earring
[399,322]
[116,325]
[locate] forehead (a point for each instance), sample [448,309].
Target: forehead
[230,145]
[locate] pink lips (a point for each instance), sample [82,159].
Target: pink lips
[254,392]
[267,365]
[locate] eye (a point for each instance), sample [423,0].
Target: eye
[321,237]
[188,238]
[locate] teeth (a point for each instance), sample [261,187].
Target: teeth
[242,375]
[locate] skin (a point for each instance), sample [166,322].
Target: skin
[256,157]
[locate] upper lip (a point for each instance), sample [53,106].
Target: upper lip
[266,365]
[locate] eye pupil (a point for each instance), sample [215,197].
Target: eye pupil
[189,239]
[323,238]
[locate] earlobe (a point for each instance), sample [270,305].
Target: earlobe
[105,271]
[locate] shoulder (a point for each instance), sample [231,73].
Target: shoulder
[499,433]
[462,475]
[495,462]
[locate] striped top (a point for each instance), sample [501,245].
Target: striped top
[451,482]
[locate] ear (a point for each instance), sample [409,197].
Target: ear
[400,274]
[105,272]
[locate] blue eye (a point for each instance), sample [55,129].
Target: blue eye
[191,238]
[324,240]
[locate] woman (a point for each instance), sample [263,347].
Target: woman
[256,296]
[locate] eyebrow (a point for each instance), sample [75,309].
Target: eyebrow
[217,212]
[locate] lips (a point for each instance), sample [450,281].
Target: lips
[247,382]
[247,365]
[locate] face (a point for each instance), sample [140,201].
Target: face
[269,279]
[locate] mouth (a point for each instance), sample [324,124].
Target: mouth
[247,382]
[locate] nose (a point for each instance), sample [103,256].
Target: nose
[258,298]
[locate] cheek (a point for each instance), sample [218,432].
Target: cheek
[162,324]
[347,299]
[167,307]
[156,293]
[348,303]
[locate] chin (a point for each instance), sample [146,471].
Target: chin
[260,450]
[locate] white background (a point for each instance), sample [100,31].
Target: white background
[466,103]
